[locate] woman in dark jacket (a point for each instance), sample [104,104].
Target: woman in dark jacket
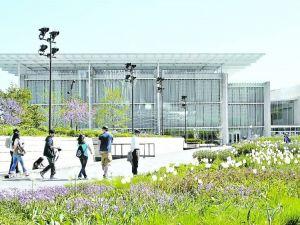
[82,154]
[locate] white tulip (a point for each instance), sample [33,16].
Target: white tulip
[154,178]
[207,165]
[200,181]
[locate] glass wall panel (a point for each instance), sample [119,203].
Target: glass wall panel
[282,113]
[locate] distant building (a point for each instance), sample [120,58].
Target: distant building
[229,111]
[285,111]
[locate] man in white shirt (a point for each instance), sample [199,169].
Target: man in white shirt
[135,151]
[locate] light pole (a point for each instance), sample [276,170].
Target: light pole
[70,98]
[183,104]
[129,77]
[160,88]
[250,132]
[50,39]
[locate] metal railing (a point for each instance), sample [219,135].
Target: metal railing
[120,150]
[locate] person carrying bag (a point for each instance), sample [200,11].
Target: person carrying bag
[18,153]
[82,154]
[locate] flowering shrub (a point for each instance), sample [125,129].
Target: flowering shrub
[10,112]
[261,187]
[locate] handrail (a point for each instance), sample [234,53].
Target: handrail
[147,150]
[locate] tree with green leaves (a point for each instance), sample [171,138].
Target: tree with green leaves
[112,112]
[31,115]
[34,116]
[21,95]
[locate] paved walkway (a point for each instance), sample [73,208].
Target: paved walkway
[119,167]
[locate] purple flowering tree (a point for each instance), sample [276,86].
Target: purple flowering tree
[76,111]
[10,112]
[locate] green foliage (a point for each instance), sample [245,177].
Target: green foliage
[112,112]
[192,195]
[213,155]
[244,148]
[22,96]
[195,141]
[34,116]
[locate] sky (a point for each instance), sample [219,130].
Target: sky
[163,26]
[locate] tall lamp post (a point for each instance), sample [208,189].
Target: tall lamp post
[70,98]
[160,88]
[129,77]
[183,104]
[250,132]
[52,51]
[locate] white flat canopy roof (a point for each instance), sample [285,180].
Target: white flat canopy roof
[228,61]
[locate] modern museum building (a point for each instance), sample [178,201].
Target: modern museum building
[163,82]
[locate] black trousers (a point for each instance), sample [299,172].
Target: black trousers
[11,162]
[50,166]
[83,161]
[135,161]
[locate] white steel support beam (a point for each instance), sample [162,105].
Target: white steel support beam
[90,96]
[158,104]
[267,110]
[224,110]
[19,75]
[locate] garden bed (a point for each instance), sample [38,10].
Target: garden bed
[259,187]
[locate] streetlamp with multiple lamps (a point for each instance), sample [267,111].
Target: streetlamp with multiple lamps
[160,88]
[183,104]
[52,51]
[129,77]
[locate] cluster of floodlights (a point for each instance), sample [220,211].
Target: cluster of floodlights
[129,77]
[52,51]
[50,39]
[183,101]
[159,82]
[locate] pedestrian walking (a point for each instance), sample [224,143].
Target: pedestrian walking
[12,141]
[51,153]
[105,142]
[286,139]
[135,151]
[82,154]
[18,153]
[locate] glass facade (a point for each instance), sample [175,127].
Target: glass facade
[282,113]
[209,97]
[203,91]
[245,110]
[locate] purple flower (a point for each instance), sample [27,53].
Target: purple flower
[76,111]
[48,194]
[209,186]
[10,112]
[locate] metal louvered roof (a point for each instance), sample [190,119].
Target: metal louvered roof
[228,61]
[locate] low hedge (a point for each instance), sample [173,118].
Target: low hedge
[245,147]
[64,132]
[213,155]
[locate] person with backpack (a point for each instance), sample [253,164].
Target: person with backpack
[82,154]
[12,141]
[51,154]
[105,142]
[18,153]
